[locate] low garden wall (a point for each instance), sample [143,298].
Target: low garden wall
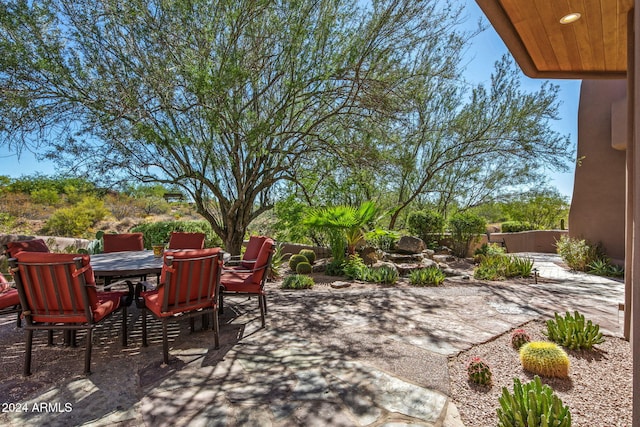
[527,241]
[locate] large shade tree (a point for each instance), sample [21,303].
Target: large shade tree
[223,98]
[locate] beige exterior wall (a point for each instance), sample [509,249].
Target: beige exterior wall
[598,204]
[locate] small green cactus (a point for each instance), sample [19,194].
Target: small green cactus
[309,254]
[297,281]
[519,337]
[572,331]
[304,268]
[295,260]
[532,404]
[544,358]
[479,372]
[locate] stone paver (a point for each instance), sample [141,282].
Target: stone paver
[338,357]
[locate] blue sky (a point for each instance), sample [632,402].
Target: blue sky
[486,49]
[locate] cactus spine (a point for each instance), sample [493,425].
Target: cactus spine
[519,337]
[478,371]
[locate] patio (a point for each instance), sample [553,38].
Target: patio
[327,357]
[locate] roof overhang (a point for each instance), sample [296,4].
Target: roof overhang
[593,47]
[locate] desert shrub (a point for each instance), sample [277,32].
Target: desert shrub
[297,281]
[479,372]
[572,332]
[354,268]
[334,268]
[295,260]
[45,196]
[577,253]
[383,274]
[304,268]
[384,240]
[603,267]
[465,227]
[515,226]
[532,404]
[76,221]
[159,232]
[544,358]
[490,249]
[430,276]
[499,267]
[425,224]
[309,254]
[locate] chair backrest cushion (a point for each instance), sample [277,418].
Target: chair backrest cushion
[252,251]
[193,279]
[180,240]
[53,288]
[123,242]
[34,245]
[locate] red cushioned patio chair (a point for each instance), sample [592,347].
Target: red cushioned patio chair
[57,292]
[9,299]
[123,242]
[33,245]
[248,258]
[249,281]
[180,240]
[188,287]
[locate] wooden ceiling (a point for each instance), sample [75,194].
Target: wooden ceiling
[595,46]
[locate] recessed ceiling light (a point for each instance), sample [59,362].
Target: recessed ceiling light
[568,19]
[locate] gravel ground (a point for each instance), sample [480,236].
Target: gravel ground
[598,390]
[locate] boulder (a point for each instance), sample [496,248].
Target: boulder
[410,245]
[403,258]
[369,255]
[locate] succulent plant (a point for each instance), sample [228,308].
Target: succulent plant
[295,260]
[304,268]
[519,337]
[309,254]
[532,404]
[572,331]
[479,371]
[544,358]
[297,281]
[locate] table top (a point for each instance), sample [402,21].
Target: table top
[126,263]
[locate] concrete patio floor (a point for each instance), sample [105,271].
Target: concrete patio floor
[328,357]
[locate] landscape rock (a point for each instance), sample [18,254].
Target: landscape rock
[403,258]
[369,255]
[444,258]
[340,285]
[410,245]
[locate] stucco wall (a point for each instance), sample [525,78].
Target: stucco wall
[598,202]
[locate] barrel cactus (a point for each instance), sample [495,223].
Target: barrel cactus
[519,337]
[304,268]
[295,260]
[545,358]
[309,254]
[479,371]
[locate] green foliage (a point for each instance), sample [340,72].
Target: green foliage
[57,185]
[76,221]
[542,209]
[577,253]
[384,240]
[354,268]
[430,276]
[519,337]
[297,281]
[426,225]
[488,250]
[45,196]
[334,268]
[295,260]
[289,223]
[304,268]
[531,405]
[515,226]
[465,228]
[499,267]
[544,358]
[479,372]
[277,261]
[309,254]
[603,267]
[384,274]
[572,331]
[158,233]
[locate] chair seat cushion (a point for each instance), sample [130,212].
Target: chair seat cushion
[107,303]
[154,304]
[239,282]
[9,298]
